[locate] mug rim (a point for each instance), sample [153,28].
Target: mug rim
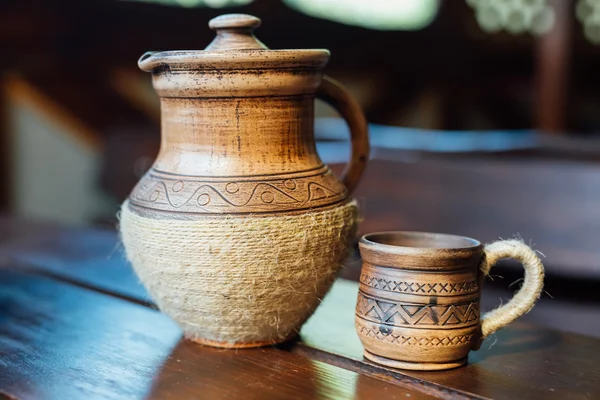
[367,240]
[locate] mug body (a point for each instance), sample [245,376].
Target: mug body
[418,299]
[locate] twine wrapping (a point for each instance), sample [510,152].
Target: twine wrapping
[235,280]
[530,292]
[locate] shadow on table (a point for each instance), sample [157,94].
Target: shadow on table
[512,341]
[514,359]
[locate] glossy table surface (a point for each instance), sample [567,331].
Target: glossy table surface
[76,323]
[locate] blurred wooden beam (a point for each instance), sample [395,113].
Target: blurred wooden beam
[22,91]
[553,66]
[4,153]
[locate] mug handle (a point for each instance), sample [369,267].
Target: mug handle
[334,94]
[530,292]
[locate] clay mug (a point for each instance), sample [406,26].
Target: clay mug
[418,299]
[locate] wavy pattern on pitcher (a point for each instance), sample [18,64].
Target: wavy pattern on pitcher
[267,194]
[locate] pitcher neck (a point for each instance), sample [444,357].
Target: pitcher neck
[238,136]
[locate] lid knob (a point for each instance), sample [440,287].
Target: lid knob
[235,32]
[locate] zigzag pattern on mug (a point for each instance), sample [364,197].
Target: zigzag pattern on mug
[416,287]
[413,341]
[416,314]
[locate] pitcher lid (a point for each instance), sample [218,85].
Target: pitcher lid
[234,47]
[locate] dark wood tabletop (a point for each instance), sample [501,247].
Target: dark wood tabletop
[76,323]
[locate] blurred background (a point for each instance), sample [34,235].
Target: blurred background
[484,116]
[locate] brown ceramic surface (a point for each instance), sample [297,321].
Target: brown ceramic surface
[237,129]
[237,142]
[418,303]
[418,300]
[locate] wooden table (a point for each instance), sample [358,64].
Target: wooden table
[75,323]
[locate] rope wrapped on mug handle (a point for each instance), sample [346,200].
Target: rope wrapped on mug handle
[530,292]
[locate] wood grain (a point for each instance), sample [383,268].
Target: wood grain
[58,341]
[86,255]
[550,204]
[526,361]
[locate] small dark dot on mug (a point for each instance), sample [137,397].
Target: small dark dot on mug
[385,330]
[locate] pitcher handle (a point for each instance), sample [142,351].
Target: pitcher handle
[334,94]
[523,301]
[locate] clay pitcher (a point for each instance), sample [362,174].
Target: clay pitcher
[238,229]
